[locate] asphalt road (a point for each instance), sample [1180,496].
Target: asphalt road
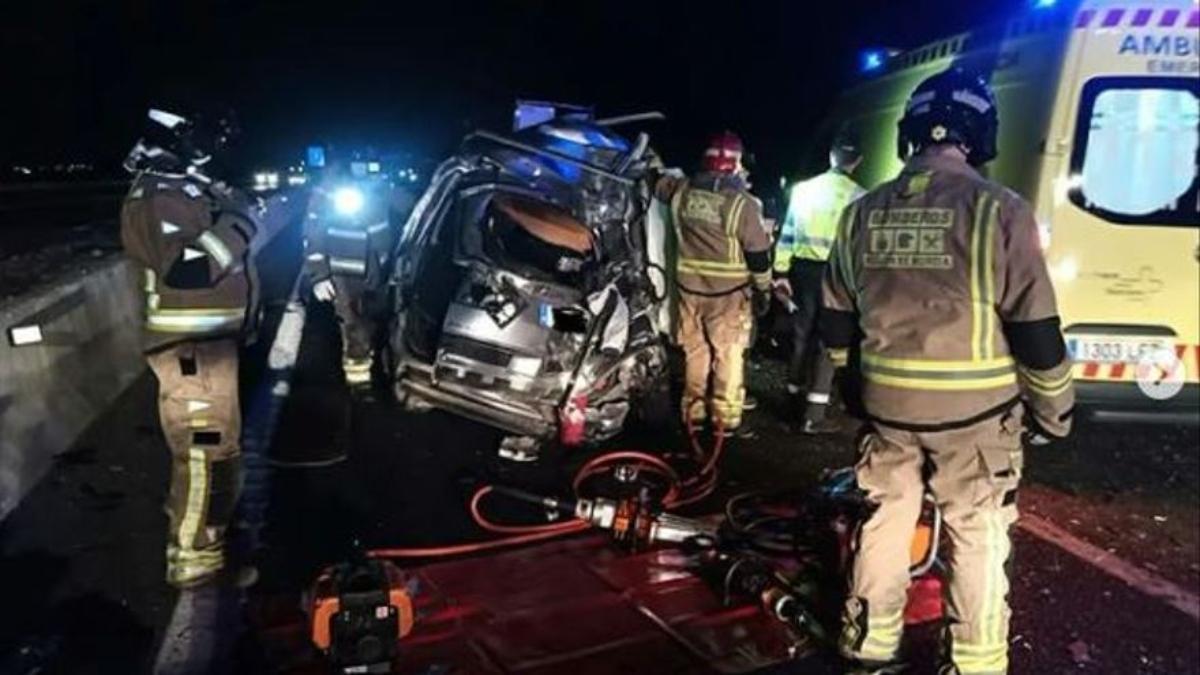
[81,561]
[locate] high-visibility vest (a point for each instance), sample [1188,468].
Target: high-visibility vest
[810,226]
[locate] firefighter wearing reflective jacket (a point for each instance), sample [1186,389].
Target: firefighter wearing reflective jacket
[723,275]
[940,274]
[347,239]
[191,238]
[801,254]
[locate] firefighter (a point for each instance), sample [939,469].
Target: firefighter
[723,278]
[940,276]
[347,240]
[191,236]
[801,254]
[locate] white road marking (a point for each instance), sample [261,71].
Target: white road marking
[1138,578]
[286,346]
[189,644]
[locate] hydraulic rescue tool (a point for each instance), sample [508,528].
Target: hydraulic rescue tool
[634,522]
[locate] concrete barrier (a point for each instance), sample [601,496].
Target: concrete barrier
[51,390]
[69,349]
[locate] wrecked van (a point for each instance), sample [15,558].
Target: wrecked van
[528,287]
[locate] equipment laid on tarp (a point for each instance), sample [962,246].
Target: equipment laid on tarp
[760,586]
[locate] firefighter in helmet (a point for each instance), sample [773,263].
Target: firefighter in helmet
[192,236]
[723,278]
[939,279]
[348,238]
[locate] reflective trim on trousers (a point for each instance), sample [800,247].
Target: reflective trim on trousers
[819,398]
[357,371]
[988,652]
[883,638]
[839,357]
[197,496]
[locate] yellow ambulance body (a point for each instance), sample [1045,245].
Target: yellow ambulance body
[1100,130]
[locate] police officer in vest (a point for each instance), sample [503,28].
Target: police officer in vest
[723,277]
[348,238]
[191,236]
[939,276]
[801,252]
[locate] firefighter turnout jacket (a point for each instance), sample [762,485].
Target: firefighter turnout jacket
[938,277]
[814,209]
[723,246]
[352,245]
[193,243]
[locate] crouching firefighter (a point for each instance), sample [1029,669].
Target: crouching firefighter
[940,274]
[723,276]
[192,238]
[347,241]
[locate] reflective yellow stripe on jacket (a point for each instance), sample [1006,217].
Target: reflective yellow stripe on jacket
[208,320]
[983,279]
[733,262]
[939,375]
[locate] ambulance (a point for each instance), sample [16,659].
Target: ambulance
[1100,130]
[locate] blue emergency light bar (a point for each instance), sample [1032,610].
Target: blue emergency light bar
[1044,4]
[532,113]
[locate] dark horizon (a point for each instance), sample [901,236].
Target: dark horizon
[418,78]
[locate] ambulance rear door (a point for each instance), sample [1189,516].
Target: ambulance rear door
[1122,200]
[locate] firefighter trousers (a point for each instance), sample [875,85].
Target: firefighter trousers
[714,333]
[973,474]
[357,327]
[806,278]
[200,418]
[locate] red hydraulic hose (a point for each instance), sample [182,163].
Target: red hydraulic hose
[680,492]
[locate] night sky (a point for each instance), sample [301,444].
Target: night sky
[78,76]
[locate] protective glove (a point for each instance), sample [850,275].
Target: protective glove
[761,302]
[324,291]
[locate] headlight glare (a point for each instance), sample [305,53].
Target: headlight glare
[348,200]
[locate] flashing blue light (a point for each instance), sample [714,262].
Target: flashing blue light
[1044,4]
[872,59]
[348,200]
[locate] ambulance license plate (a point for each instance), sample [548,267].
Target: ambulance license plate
[1103,349]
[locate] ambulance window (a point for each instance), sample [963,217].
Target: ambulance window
[1136,150]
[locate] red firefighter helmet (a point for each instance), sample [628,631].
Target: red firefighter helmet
[723,153]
